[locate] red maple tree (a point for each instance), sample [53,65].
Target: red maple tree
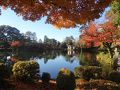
[96,35]
[61,13]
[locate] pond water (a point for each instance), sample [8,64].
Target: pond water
[53,66]
[53,61]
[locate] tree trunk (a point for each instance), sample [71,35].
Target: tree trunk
[110,51]
[108,46]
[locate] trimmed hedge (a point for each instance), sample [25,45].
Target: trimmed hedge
[26,71]
[88,72]
[65,80]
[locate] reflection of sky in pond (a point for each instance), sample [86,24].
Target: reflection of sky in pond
[54,65]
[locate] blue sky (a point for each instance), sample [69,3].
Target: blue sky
[8,17]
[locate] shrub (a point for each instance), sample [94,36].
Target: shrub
[3,70]
[114,76]
[3,74]
[25,70]
[98,85]
[88,72]
[65,80]
[45,77]
[106,63]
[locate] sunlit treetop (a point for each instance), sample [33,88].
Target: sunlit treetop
[114,12]
[95,35]
[61,13]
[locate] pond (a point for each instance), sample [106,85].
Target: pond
[53,65]
[53,61]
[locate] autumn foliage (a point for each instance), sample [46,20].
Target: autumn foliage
[15,43]
[95,35]
[61,13]
[89,36]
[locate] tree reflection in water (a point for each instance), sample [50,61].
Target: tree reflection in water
[87,58]
[57,59]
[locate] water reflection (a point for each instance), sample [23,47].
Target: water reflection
[52,61]
[54,65]
[87,58]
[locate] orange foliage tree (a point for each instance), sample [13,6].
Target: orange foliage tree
[61,13]
[15,44]
[95,35]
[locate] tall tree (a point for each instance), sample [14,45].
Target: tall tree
[114,12]
[40,41]
[61,13]
[8,33]
[31,36]
[114,15]
[46,39]
[102,34]
[69,40]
